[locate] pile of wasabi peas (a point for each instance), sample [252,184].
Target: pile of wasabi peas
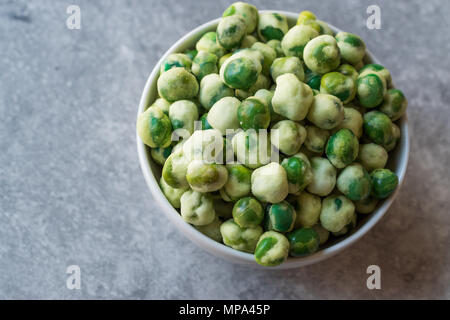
[335,119]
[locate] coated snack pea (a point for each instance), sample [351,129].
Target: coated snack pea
[351,46]
[353,120]
[174,170]
[351,225]
[276,45]
[212,89]
[246,11]
[312,79]
[272,26]
[280,217]
[366,206]
[303,241]
[321,54]
[267,96]
[336,213]
[295,40]
[252,149]
[262,82]
[154,128]
[316,139]
[160,155]
[204,121]
[204,145]
[305,16]
[238,184]
[379,69]
[394,104]
[204,63]
[230,31]
[212,230]
[354,182]
[253,113]
[268,53]
[208,42]
[272,249]
[182,115]
[242,239]
[206,177]
[240,72]
[308,210]
[322,232]
[223,59]
[324,177]
[177,84]
[384,182]
[342,148]
[176,60]
[248,41]
[378,128]
[370,89]
[248,212]
[348,70]
[162,104]
[289,136]
[326,111]
[339,85]
[292,98]
[197,208]
[224,114]
[299,172]
[372,156]
[172,194]
[269,183]
[285,65]
[396,134]
[191,53]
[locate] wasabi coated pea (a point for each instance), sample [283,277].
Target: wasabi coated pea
[354,182]
[223,59]
[253,113]
[204,121]
[248,41]
[326,111]
[224,114]
[316,139]
[212,230]
[246,11]
[276,45]
[268,53]
[324,28]
[321,54]
[242,239]
[204,63]
[366,206]
[176,60]
[396,134]
[238,184]
[212,89]
[182,115]
[351,46]
[384,182]
[370,89]
[231,31]
[287,65]
[305,16]
[339,85]
[324,177]
[296,39]
[269,183]
[348,70]
[379,69]
[272,249]
[394,104]
[177,84]
[197,208]
[299,172]
[154,128]
[303,241]
[204,145]
[342,148]
[261,83]
[172,194]
[191,54]
[240,72]
[272,26]
[290,136]
[308,210]
[353,120]
[322,232]
[160,155]
[378,128]
[312,79]
[292,98]
[280,217]
[351,225]
[252,149]
[162,104]
[206,177]
[208,42]
[336,213]
[267,97]
[248,212]
[174,170]
[372,156]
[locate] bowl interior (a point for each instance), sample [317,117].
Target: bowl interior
[397,162]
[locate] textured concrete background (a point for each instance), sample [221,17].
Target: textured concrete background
[71,190]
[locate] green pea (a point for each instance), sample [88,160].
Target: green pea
[312,79]
[223,59]
[268,53]
[303,241]
[262,82]
[240,72]
[322,232]
[324,28]
[321,54]
[175,60]
[336,213]
[248,212]
[251,148]
[295,40]
[285,65]
[349,226]
[248,41]
[231,31]
[351,46]
[208,42]
[191,53]
[396,134]
[154,128]
[272,249]
[370,89]
[162,104]
[308,210]
[276,45]
[280,217]
[242,239]
[253,113]
[272,26]
[288,136]
[266,96]
[342,148]
[206,177]
[394,104]
[212,230]
[160,155]
[366,206]
[269,183]
[326,111]
[197,208]
[339,85]
[204,63]
[305,16]
[246,11]
[238,184]
[212,89]
[174,170]
[299,172]
[354,182]
[353,120]
[172,194]
[224,114]
[182,115]
[177,84]
[324,177]
[379,69]
[205,123]
[348,70]
[378,128]
[384,182]
[372,156]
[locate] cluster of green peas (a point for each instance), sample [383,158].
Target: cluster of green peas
[334,116]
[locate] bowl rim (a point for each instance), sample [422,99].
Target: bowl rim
[220,249]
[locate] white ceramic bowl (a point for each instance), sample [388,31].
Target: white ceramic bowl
[398,160]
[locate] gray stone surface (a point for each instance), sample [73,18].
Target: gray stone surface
[71,190]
